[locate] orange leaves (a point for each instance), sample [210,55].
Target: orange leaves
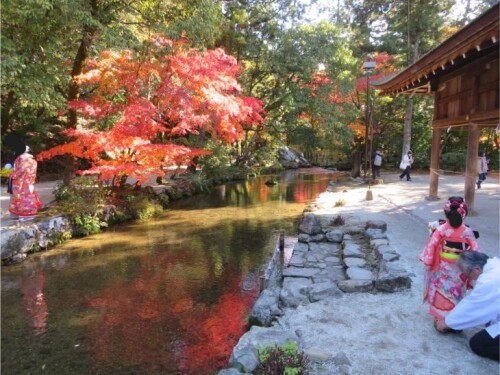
[383,67]
[148,97]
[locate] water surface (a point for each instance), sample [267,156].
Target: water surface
[168,296]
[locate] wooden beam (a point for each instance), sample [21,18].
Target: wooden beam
[471,167]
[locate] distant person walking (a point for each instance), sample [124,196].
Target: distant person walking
[482,168]
[377,160]
[405,165]
[24,202]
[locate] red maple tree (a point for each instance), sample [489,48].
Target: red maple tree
[139,103]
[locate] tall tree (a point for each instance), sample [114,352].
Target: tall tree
[138,104]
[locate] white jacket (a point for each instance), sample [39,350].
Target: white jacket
[407,161]
[482,305]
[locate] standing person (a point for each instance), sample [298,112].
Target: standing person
[376,163]
[481,307]
[482,168]
[24,202]
[443,284]
[406,165]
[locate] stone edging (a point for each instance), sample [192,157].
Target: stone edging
[17,242]
[327,261]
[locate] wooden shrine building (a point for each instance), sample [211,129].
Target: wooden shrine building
[462,74]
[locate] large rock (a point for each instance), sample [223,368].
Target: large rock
[335,235]
[265,308]
[299,272]
[324,290]
[15,243]
[353,286]
[392,278]
[310,224]
[376,224]
[291,159]
[245,356]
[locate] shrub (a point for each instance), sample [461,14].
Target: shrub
[340,203]
[337,221]
[453,161]
[144,207]
[84,225]
[82,201]
[284,360]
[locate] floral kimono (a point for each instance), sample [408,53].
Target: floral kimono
[24,201]
[444,284]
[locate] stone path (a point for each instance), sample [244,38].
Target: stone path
[380,333]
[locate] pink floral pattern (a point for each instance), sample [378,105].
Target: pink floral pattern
[444,284]
[23,202]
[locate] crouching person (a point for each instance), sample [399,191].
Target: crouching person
[481,307]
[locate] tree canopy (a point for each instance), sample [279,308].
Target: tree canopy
[90,69]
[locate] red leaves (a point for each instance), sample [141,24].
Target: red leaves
[141,98]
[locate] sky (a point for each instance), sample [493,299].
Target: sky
[317,13]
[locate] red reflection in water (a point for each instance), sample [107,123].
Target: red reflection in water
[305,191]
[157,325]
[34,302]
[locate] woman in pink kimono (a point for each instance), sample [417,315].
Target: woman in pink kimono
[24,202]
[445,285]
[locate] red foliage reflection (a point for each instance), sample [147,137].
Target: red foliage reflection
[34,302]
[157,324]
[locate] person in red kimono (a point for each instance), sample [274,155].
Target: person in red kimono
[24,203]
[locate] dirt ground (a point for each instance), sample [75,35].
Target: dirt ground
[392,334]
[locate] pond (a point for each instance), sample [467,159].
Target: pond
[168,296]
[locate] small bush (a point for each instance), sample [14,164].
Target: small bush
[337,221]
[144,207]
[453,161]
[84,225]
[278,360]
[340,203]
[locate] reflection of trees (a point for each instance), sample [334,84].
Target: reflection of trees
[34,302]
[161,321]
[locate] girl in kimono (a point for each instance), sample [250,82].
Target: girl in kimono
[24,202]
[444,284]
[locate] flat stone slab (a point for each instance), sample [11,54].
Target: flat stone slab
[300,246]
[333,261]
[325,247]
[354,262]
[356,273]
[352,250]
[379,241]
[324,290]
[333,273]
[353,286]
[297,259]
[300,272]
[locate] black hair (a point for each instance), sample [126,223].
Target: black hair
[454,218]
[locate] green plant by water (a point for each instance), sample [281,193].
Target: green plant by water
[282,360]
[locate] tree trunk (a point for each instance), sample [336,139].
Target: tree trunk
[82,54]
[89,34]
[8,104]
[356,165]
[407,125]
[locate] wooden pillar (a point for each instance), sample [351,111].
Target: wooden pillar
[434,172]
[471,167]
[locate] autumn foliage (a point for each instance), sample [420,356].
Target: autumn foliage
[139,103]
